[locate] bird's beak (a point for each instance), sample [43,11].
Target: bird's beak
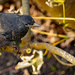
[36,25]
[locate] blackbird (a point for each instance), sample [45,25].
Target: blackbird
[13,27]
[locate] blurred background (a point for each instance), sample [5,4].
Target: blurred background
[51,66]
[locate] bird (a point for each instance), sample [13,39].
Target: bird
[13,27]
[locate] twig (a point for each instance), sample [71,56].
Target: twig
[67,64]
[26,7]
[54,50]
[49,47]
[55,18]
[46,33]
[26,11]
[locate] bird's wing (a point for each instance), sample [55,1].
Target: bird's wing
[7,21]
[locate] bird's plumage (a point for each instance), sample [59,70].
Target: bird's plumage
[13,26]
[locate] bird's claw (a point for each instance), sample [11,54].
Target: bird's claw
[16,48]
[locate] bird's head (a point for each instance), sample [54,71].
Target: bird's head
[28,21]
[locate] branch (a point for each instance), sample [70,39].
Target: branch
[54,50]
[26,7]
[63,63]
[46,46]
[26,11]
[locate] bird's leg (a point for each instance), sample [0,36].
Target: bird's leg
[16,47]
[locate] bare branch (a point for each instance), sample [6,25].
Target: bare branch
[26,7]
[54,50]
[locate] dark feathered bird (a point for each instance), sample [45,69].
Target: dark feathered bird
[13,27]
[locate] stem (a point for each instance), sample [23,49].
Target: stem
[26,11]
[54,50]
[54,18]
[63,63]
[46,33]
[64,13]
[26,7]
